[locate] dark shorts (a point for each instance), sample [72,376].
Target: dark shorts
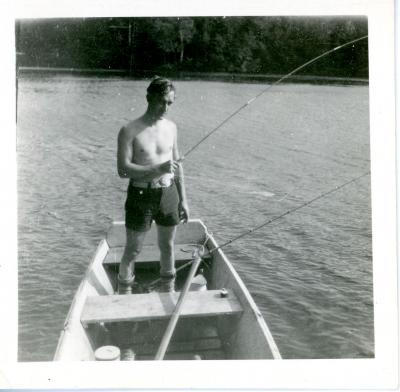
[143,205]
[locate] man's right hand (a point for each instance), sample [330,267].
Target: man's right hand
[168,167]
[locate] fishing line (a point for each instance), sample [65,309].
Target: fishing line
[269,221]
[265,90]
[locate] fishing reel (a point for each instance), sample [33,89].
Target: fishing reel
[198,252]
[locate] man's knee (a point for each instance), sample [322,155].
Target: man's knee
[132,251]
[134,243]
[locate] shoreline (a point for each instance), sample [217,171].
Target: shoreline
[187,75]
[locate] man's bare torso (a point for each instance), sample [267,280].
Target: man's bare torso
[151,144]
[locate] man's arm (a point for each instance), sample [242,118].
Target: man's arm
[180,183]
[128,169]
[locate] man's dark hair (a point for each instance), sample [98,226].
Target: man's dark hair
[160,86]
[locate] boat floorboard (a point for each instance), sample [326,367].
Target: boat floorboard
[204,355]
[204,328]
[182,346]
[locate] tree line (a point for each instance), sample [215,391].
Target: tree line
[250,45]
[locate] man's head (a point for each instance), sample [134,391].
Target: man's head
[160,95]
[159,86]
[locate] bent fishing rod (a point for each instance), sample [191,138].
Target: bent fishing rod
[269,221]
[251,101]
[267,89]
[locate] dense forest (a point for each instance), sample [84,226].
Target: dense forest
[251,45]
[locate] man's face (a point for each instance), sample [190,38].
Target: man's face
[159,104]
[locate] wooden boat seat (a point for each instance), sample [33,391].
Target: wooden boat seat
[150,255]
[152,306]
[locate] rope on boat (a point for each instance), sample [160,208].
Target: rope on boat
[268,88]
[197,250]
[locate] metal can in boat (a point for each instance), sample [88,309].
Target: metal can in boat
[107,353]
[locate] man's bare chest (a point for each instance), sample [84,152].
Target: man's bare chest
[153,142]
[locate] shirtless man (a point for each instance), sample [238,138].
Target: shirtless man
[148,155]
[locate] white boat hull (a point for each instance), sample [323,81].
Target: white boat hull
[211,328]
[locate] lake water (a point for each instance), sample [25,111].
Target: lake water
[310,273]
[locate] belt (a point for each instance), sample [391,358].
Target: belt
[151,185]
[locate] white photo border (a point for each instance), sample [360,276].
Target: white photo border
[380,372]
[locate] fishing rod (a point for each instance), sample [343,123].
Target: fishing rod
[266,89]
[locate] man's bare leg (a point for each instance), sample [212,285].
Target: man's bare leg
[133,246]
[166,239]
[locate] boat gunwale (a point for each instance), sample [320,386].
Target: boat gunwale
[253,306]
[73,312]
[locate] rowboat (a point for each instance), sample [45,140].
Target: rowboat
[218,320]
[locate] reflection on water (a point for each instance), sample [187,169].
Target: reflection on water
[310,273]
